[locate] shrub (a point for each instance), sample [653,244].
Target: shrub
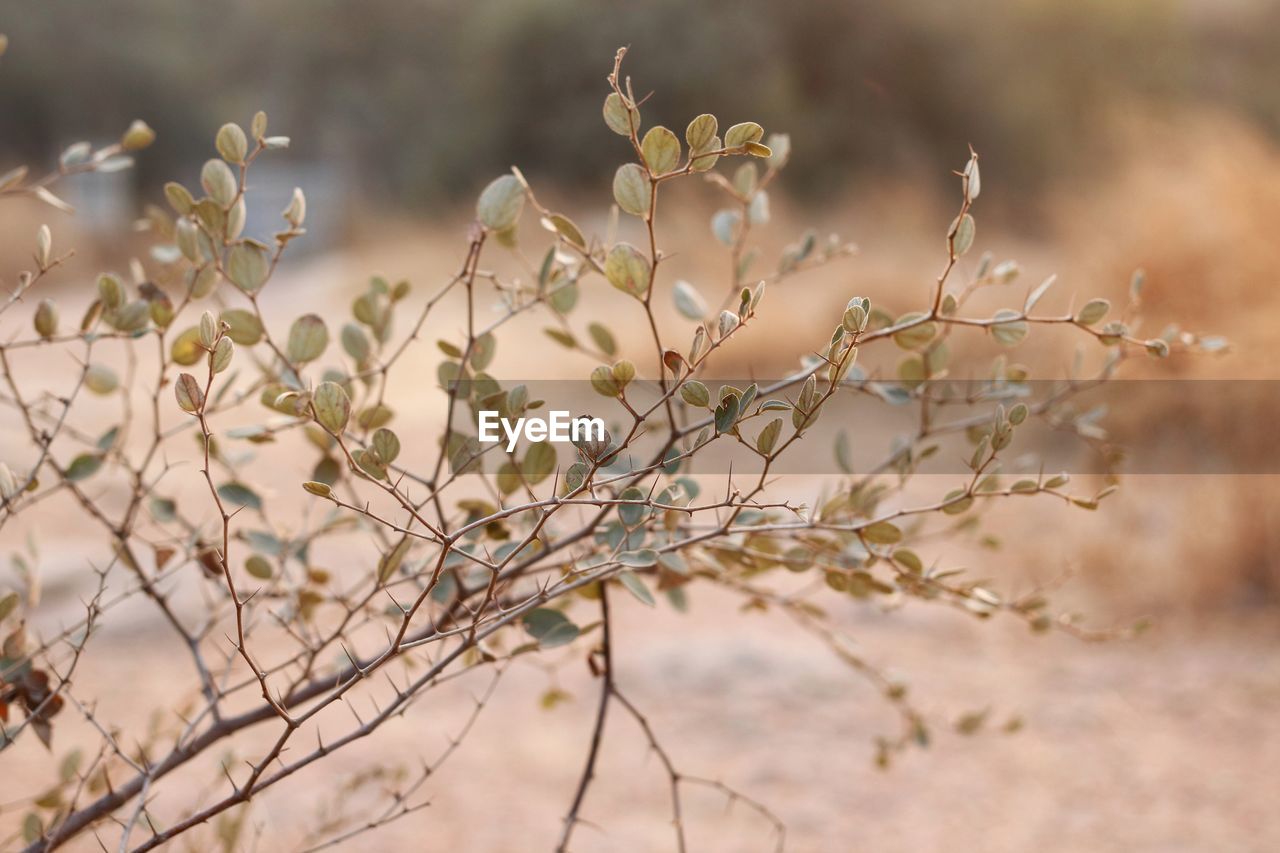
[467,556]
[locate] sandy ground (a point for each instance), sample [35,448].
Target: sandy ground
[1168,743]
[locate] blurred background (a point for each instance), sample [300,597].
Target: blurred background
[1113,135]
[413,103]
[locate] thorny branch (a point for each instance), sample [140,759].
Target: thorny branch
[464,558]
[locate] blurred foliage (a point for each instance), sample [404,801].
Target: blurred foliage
[425,98]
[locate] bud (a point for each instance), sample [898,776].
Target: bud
[138,136]
[110,291]
[132,317]
[44,246]
[162,311]
[46,319]
[208,330]
[592,448]
[296,212]
[317,489]
[8,485]
[855,319]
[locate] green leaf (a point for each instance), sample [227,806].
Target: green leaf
[565,227]
[8,603]
[245,327]
[501,203]
[695,393]
[957,501]
[769,436]
[632,190]
[185,350]
[387,445]
[101,379]
[661,150]
[561,337]
[483,350]
[618,117]
[333,407]
[633,514]
[641,559]
[623,372]
[727,323]
[218,182]
[575,475]
[705,161]
[603,382]
[189,394]
[724,225]
[627,269]
[248,265]
[163,509]
[882,533]
[1092,312]
[390,563]
[539,462]
[32,827]
[231,143]
[259,567]
[70,765]
[549,627]
[740,134]
[918,335]
[372,417]
[962,234]
[354,342]
[132,317]
[701,132]
[727,413]
[844,453]
[1034,296]
[603,338]
[909,560]
[635,586]
[780,148]
[223,352]
[688,301]
[239,494]
[308,338]
[1011,331]
[179,197]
